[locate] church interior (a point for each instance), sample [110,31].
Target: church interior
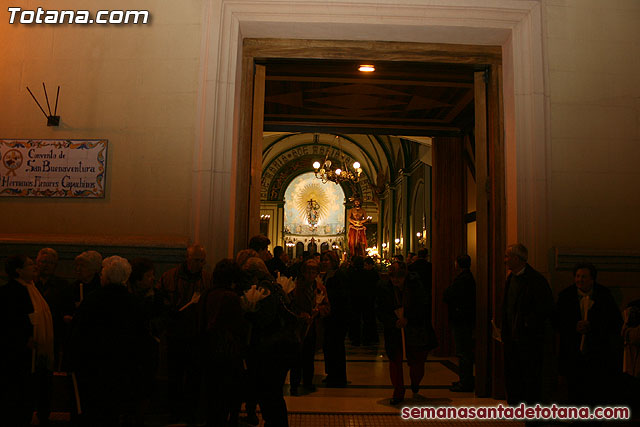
[481,126]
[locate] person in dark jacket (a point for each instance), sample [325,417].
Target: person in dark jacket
[336,323]
[589,325]
[369,322]
[277,265]
[423,268]
[16,340]
[142,283]
[225,338]
[110,348]
[526,328]
[401,305]
[274,343]
[309,303]
[181,288]
[460,296]
[363,279]
[59,296]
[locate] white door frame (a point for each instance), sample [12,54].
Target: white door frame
[516,25]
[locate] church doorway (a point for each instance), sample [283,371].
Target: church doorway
[487,156]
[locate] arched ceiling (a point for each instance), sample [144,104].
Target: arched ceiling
[289,154]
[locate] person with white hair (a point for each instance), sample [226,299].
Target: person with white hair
[526,328]
[87,266]
[110,346]
[115,271]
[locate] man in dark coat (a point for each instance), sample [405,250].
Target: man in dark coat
[336,323]
[16,341]
[181,288]
[423,269]
[589,325]
[460,296]
[401,305]
[276,264]
[526,327]
[59,295]
[363,278]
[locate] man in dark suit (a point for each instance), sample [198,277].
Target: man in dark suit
[589,324]
[526,327]
[460,296]
[423,269]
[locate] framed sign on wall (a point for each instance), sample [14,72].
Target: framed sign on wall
[53,168]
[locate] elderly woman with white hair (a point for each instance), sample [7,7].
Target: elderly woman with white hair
[110,347]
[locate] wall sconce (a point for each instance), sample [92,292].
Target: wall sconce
[399,243]
[384,249]
[264,224]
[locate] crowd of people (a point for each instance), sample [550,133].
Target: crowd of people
[236,333]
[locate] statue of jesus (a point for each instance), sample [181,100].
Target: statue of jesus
[357,235]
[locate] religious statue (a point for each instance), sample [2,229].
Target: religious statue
[312,213]
[357,235]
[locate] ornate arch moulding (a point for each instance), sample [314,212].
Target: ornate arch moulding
[298,159]
[516,25]
[357,152]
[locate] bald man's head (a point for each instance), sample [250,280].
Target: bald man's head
[196,258]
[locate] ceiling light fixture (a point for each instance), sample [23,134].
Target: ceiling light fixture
[341,173]
[367,68]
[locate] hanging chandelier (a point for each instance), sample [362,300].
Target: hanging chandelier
[326,171]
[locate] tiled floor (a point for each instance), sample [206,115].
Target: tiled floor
[361,420]
[365,401]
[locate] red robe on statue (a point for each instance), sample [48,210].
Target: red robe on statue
[357,236]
